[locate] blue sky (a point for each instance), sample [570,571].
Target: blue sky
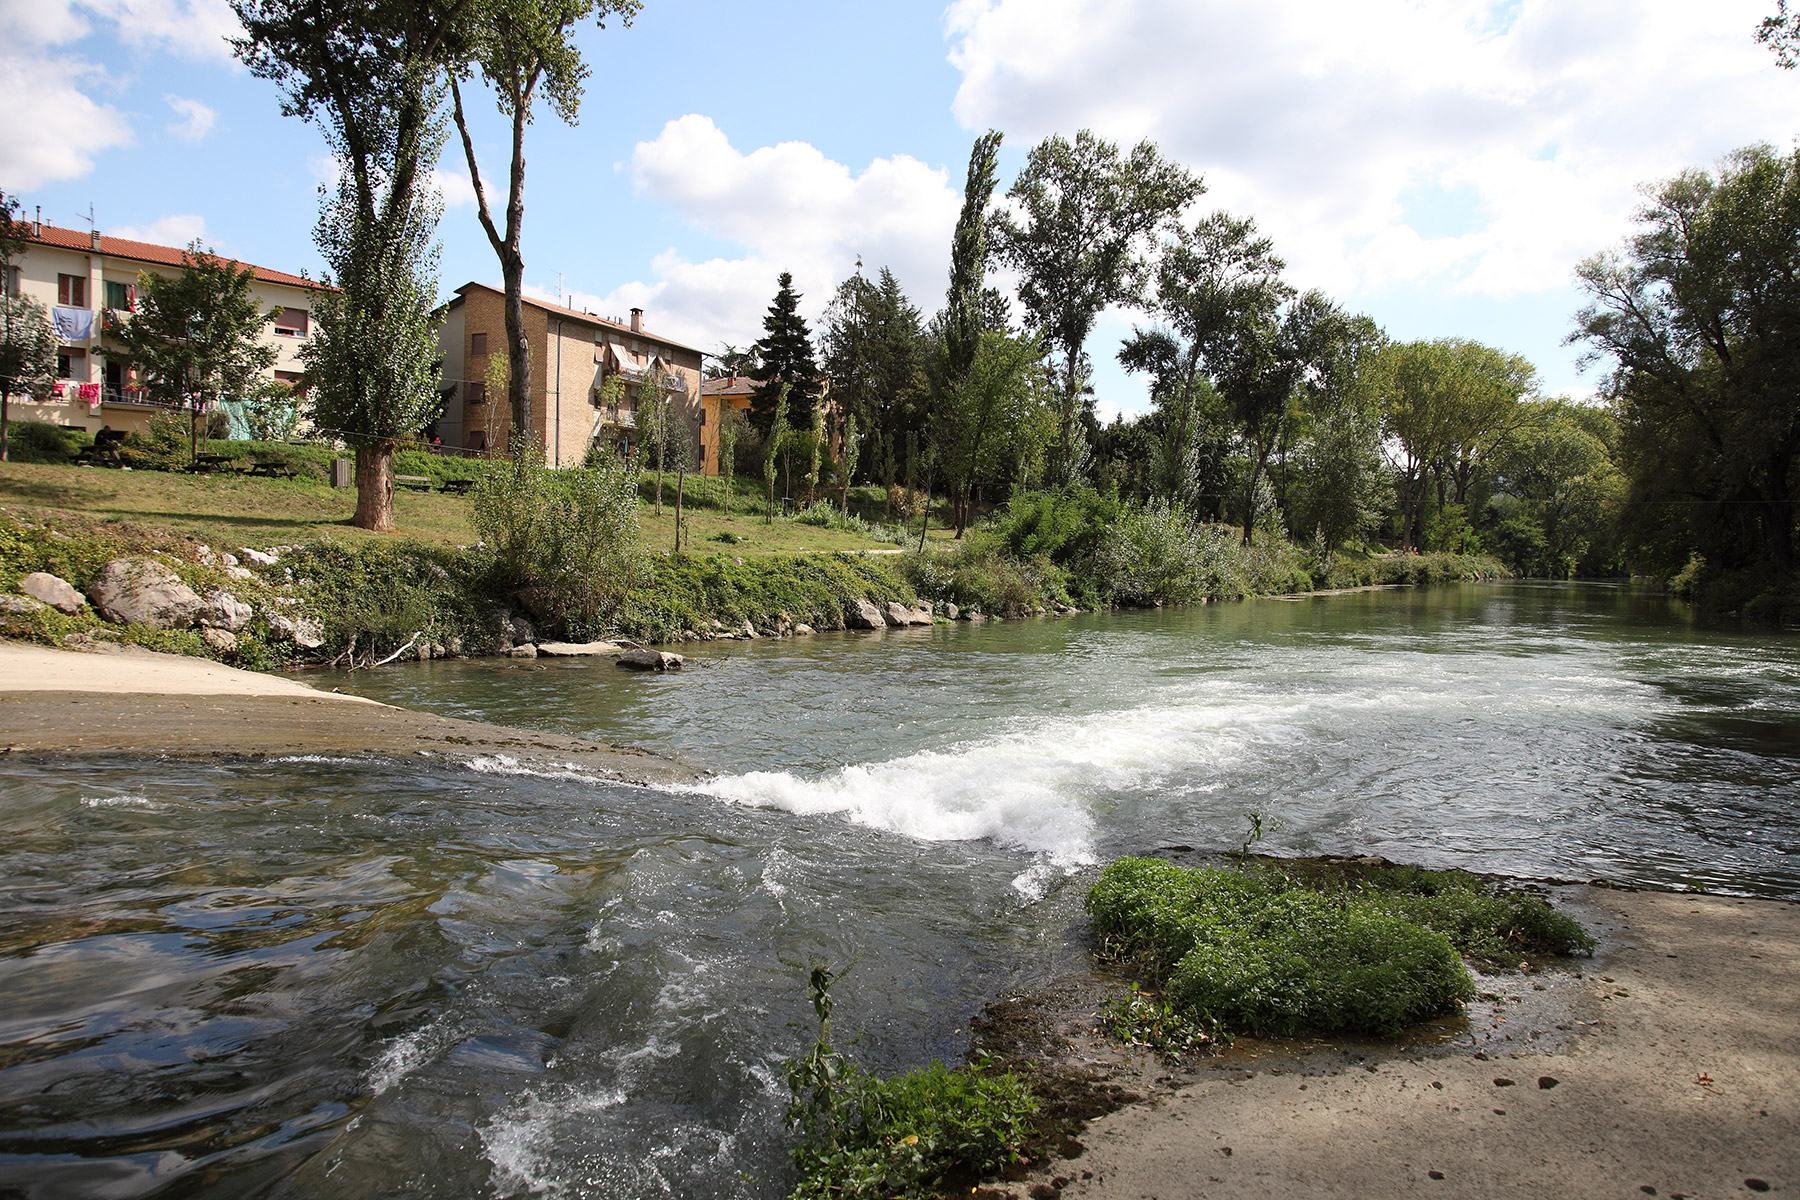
[1441,166]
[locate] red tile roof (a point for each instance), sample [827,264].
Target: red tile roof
[572,314]
[147,252]
[730,385]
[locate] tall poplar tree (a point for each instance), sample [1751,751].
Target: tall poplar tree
[1088,223]
[784,356]
[525,50]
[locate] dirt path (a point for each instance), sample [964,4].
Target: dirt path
[1675,1072]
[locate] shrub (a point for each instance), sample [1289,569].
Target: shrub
[1158,554]
[689,591]
[982,575]
[1283,951]
[569,536]
[164,446]
[42,442]
[1064,526]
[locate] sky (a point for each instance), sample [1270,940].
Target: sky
[1442,165]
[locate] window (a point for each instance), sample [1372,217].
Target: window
[703,418]
[293,379]
[476,393]
[9,281]
[71,363]
[291,322]
[72,290]
[121,297]
[478,343]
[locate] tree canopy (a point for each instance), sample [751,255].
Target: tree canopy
[784,355]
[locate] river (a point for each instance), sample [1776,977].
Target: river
[316,977]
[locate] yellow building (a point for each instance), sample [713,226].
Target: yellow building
[573,353]
[79,277]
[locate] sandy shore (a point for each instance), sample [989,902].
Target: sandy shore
[59,701]
[1668,1065]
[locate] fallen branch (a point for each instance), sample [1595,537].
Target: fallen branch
[396,654]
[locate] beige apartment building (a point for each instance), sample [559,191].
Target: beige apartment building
[573,352]
[79,277]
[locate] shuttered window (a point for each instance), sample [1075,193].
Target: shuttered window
[291,322]
[72,290]
[478,343]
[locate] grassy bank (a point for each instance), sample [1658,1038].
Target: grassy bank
[1279,949]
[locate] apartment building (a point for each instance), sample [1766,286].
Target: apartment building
[573,352]
[80,276]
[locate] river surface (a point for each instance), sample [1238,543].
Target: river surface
[317,977]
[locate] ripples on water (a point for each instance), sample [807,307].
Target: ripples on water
[335,977]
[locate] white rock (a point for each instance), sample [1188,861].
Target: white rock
[225,611]
[863,615]
[21,605]
[142,591]
[220,639]
[53,590]
[258,557]
[237,572]
[526,651]
[576,649]
[802,628]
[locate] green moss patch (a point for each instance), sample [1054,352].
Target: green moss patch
[1270,952]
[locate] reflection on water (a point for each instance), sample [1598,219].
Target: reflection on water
[320,976]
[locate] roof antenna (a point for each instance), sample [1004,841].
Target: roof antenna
[88,217]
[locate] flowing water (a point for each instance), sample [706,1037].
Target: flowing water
[356,977]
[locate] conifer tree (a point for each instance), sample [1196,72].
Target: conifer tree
[784,357]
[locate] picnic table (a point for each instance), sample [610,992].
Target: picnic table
[418,483]
[212,462]
[457,487]
[271,469]
[105,450]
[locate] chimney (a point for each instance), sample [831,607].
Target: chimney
[637,320]
[94,239]
[37,226]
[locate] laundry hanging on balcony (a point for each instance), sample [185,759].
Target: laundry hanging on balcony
[72,324]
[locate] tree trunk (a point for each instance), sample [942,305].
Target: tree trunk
[5,421]
[680,483]
[375,488]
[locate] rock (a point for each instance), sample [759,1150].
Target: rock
[306,633]
[576,649]
[801,628]
[522,631]
[453,645]
[748,630]
[21,605]
[863,615]
[1502,1081]
[258,557]
[975,618]
[526,651]
[219,639]
[53,590]
[237,572]
[228,560]
[951,611]
[225,611]
[1546,1082]
[503,632]
[921,615]
[651,660]
[142,591]
[896,615]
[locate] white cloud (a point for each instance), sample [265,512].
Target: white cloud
[177,229]
[192,28]
[1341,127]
[196,119]
[792,209]
[452,184]
[52,128]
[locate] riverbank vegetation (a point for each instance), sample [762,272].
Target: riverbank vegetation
[1279,950]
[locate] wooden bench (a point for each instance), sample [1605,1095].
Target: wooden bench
[418,483]
[457,487]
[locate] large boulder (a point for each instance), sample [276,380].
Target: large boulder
[863,615]
[142,591]
[897,614]
[225,611]
[650,660]
[53,590]
[305,632]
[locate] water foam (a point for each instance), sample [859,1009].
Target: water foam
[506,764]
[1029,789]
[141,803]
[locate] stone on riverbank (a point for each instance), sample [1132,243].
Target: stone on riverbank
[225,611]
[651,660]
[306,633]
[21,605]
[142,591]
[576,649]
[53,590]
[863,615]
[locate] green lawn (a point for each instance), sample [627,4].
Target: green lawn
[228,511]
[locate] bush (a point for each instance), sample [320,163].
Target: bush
[42,442]
[1157,554]
[380,593]
[982,575]
[1064,526]
[164,446]
[569,537]
[1289,951]
[689,591]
